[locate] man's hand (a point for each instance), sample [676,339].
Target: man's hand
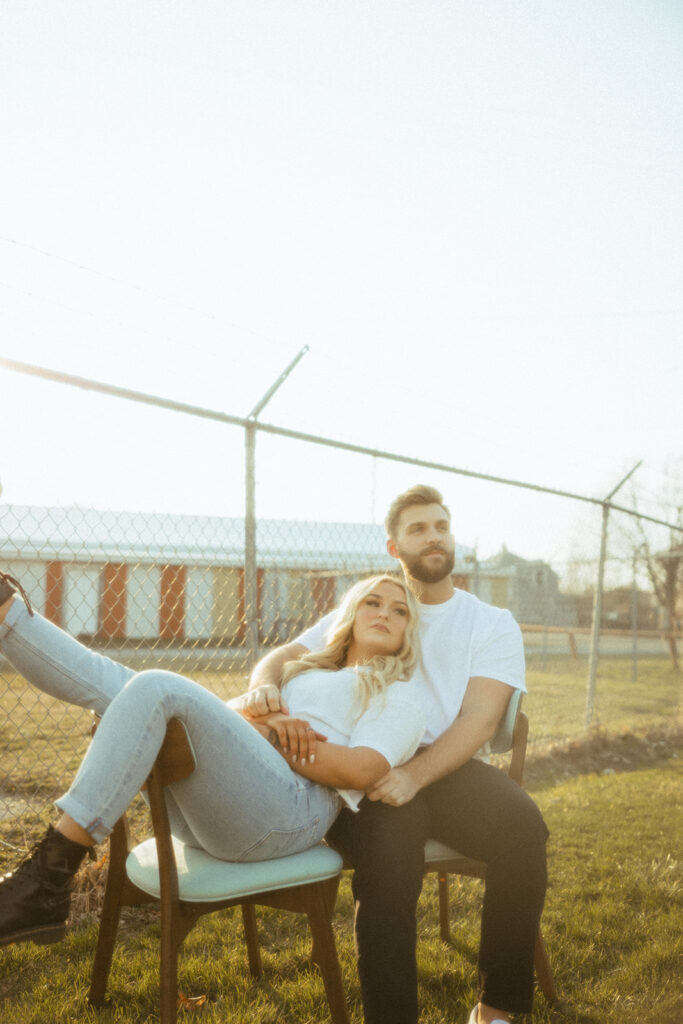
[397,787]
[263,700]
[266,679]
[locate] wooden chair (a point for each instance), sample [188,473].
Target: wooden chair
[444,861]
[189,883]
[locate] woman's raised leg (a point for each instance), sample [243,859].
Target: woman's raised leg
[242,802]
[56,663]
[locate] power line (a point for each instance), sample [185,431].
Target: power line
[99,273]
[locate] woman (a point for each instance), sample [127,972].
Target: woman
[262,787]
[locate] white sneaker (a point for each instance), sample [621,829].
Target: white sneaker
[473,1019]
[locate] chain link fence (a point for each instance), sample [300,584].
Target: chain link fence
[191,593]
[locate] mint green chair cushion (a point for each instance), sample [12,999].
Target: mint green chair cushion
[202,877]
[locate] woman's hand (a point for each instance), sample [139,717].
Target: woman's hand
[296,739]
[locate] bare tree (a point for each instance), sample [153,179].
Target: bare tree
[665,569]
[663,560]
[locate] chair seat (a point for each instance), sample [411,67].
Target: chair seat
[434,850]
[203,878]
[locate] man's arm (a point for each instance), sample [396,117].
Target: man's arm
[266,679]
[482,708]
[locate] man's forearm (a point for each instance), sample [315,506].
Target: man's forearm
[268,671]
[450,751]
[457,745]
[482,709]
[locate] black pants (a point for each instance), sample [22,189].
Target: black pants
[481,813]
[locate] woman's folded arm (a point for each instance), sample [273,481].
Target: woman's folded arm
[343,767]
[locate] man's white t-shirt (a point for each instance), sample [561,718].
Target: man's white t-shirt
[460,638]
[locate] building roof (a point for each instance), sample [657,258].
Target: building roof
[92,535]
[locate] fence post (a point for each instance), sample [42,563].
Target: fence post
[251,608]
[597,617]
[250,571]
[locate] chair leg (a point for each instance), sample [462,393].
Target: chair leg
[111,913]
[444,923]
[168,971]
[331,890]
[251,939]
[319,918]
[544,973]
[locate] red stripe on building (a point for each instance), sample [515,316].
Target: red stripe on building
[54,592]
[172,606]
[113,608]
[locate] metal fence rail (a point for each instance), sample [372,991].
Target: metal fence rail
[205,595]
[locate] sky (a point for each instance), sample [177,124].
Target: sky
[470,212]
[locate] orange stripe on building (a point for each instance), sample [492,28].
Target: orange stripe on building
[54,592]
[172,606]
[113,608]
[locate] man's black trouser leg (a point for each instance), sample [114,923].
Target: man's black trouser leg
[483,814]
[386,847]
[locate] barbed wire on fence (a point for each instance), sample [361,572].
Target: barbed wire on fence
[205,595]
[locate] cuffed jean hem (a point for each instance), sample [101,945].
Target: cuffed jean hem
[95,827]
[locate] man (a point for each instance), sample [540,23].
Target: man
[472,658]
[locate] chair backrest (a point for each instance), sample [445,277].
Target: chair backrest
[176,759]
[504,737]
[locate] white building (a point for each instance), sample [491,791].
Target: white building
[133,575]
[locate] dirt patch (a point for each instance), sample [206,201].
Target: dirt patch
[604,753]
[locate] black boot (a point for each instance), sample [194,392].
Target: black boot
[35,899]
[9,586]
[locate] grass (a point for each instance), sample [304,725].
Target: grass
[612,923]
[556,701]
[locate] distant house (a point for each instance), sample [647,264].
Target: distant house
[529,588]
[117,576]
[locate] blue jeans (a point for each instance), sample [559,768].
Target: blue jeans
[242,802]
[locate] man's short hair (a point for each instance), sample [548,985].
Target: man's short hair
[420,494]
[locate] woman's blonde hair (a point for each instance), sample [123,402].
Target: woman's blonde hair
[382,670]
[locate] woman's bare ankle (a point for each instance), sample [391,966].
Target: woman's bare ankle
[72,830]
[487,1014]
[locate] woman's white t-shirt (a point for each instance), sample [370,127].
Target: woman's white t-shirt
[392,724]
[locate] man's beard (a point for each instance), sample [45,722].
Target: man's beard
[413,566]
